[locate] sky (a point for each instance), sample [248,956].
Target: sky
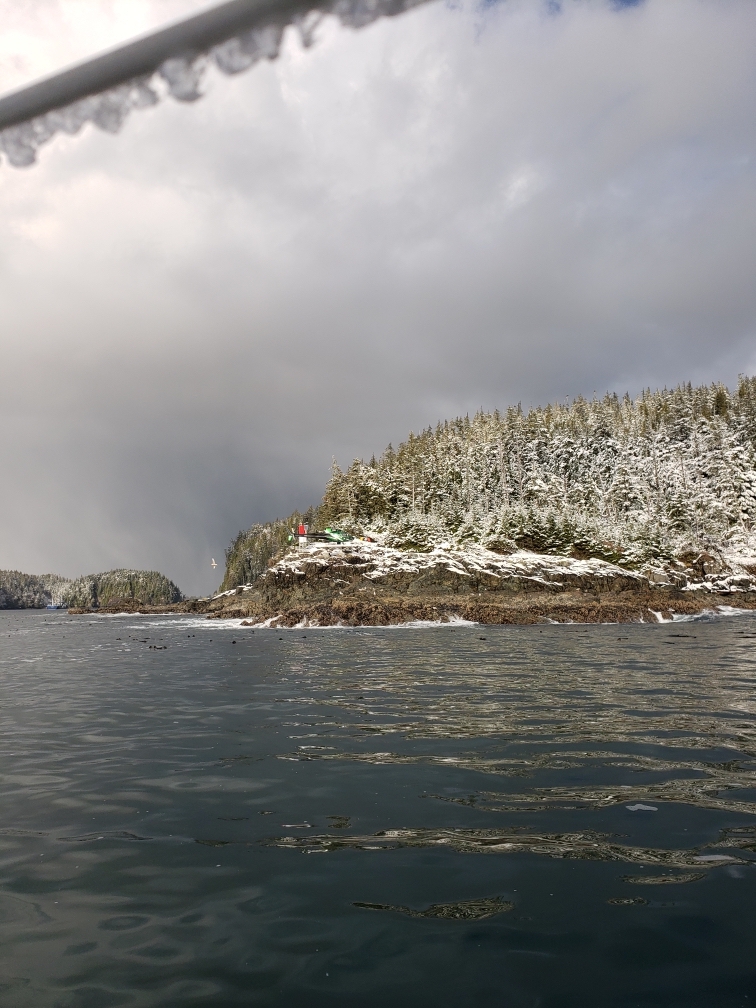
[467,206]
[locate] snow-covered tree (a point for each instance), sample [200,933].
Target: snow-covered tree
[671,472]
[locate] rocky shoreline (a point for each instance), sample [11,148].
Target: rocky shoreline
[632,608]
[192,605]
[366,584]
[626,607]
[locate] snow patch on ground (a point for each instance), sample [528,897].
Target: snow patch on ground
[231,591]
[375,562]
[738,574]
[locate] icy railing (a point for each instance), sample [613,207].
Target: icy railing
[180,76]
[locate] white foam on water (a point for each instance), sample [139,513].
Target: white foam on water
[269,624]
[705,614]
[191,622]
[114,615]
[710,614]
[451,622]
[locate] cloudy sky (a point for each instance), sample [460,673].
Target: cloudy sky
[469,205]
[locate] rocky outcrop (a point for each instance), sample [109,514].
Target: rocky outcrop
[123,605]
[321,572]
[360,583]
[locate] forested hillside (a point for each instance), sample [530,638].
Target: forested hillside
[669,474]
[112,587]
[248,555]
[29,591]
[22,591]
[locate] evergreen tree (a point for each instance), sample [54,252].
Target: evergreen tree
[671,472]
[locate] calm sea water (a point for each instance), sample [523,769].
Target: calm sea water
[197,814]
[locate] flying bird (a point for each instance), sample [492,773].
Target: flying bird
[213,563]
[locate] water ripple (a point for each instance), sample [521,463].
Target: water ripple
[159,785]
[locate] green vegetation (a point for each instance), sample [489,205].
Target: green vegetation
[23,591]
[29,591]
[252,551]
[112,587]
[669,473]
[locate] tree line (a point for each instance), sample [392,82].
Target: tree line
[627,480]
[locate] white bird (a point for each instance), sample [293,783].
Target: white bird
[213,563]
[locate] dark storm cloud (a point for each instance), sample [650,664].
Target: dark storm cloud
[459,208]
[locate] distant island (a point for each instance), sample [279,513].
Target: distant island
[603,510]
[117,588]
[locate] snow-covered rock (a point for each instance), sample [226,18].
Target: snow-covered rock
[320,570]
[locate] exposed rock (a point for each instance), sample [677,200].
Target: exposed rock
[322,571]
[359,583]
[116,606]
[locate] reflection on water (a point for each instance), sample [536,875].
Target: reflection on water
[165,781]
[705,791]
[658,880]
[590,846]
[464,910]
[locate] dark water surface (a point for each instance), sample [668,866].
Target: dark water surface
[421,817]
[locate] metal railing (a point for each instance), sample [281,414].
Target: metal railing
[144,56]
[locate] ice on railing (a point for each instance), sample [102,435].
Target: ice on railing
[181,76]
[107,111]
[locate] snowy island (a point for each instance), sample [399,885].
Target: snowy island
[599,511]
[609,510]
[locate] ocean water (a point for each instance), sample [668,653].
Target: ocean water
[201,814]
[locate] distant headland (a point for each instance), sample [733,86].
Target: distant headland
[116,588]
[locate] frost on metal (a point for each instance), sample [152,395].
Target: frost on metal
[181,76]
[107,111]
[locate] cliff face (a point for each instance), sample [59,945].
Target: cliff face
[360,583]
